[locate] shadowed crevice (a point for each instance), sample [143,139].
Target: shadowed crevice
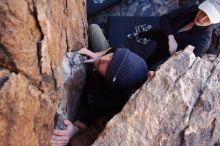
[65,4]
[34,13]
[67,41]
[2,81]
[182,136]
[213,127]
[6,60]
[53,76]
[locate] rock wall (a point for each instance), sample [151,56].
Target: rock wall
[34,35]
[179,106]
[135,8]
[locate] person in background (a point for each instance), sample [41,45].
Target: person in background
[190,25]
[112,76]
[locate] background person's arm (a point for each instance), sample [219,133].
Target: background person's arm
[201,46]
[166,20]
[166,25]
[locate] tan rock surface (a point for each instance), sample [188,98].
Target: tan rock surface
[26,113]
[34,35]
[179,106]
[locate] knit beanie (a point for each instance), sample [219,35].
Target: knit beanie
[212,10]
[126,70]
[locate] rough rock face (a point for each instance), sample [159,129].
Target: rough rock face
[74,77]
[190,2]
[26,113]
[136,8]
[34,35]
[179,106]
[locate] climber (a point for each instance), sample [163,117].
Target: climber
[190,25]
[110,81]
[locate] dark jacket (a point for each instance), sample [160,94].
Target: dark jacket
[99,98]
[198,36]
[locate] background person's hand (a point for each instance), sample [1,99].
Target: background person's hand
[172,44]
[62,137]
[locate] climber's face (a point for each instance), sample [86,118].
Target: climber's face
[103,62]
[202,19]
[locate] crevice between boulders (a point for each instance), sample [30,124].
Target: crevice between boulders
[213,127]
[182,137]
[53,75]
[67,41]
[65,10]
[2,81]
[34,13]
[6,60]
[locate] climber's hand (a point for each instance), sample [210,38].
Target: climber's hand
[62,137]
